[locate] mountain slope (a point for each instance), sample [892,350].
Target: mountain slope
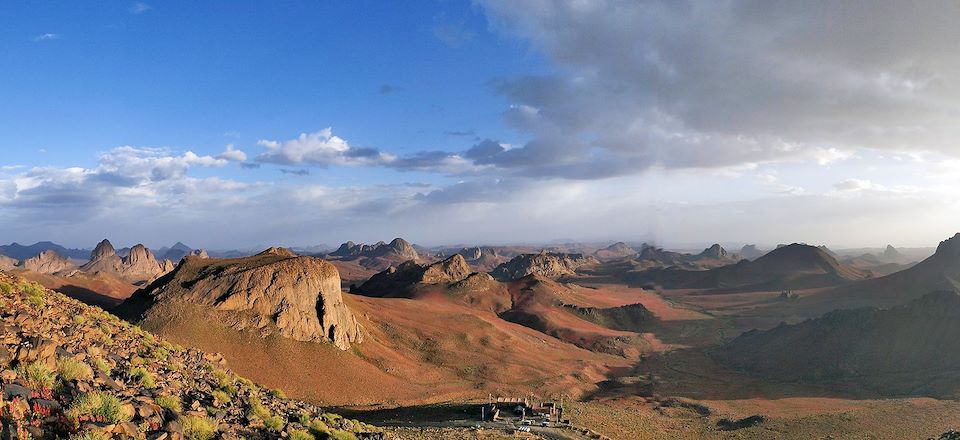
[68,367]
[940,271]
[912,349]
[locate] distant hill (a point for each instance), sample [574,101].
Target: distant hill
[794,266]
[546,264]
[21,252]
[377,256]
[941,271]
[912,349]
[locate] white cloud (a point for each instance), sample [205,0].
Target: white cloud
[139,8]
[47,37]
[321,148]
[232,154]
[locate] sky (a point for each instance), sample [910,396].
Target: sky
[236,124]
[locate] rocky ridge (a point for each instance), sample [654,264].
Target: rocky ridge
[272,292]
[47,262]
[546,264]
[68,370]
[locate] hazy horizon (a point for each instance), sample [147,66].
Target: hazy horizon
[484,122]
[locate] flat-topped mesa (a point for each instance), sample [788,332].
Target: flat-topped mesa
[272,292]
[48,262]
[546,264]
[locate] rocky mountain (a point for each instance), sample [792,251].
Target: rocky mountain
[616,250]
[545,264]
[74,371]
[913,349]
[480,258]
[21,252]
[174,253]
[47,262]
[400,280]
[274,292]
[377,256]
[750,252]
[794,266]
[713,256]
[940,271]
[140,266]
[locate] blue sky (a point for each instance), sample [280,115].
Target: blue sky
[234,124]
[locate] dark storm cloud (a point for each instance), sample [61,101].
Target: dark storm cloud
[702,84]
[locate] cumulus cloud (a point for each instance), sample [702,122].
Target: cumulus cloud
[693,84]
[232,154]
[321,148]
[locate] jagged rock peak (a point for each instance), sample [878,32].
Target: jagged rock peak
[275,250]
[103,249]
[47,262]
[139,254]
[715,251]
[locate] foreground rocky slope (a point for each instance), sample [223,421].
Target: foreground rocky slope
[272,292]
[68,370]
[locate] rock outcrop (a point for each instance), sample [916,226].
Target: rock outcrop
[139,267]
[272,292]
[7,263]
[396,281]
[49,262]
[545,264]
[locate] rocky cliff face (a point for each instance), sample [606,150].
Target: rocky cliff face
[549,265]
[47,262]
[272,292]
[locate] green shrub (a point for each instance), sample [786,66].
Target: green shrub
[101,365]
[79,319]
[319,428]
[71,369]
[342,435]
[37,375]
[198,428]
[90,435]
[221,397]
[303,418]
[278,393]
[222,378]
[299,434]
[275,423]
[170,403]
[143,377]
[257,408]
[97,406]
[5,287]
